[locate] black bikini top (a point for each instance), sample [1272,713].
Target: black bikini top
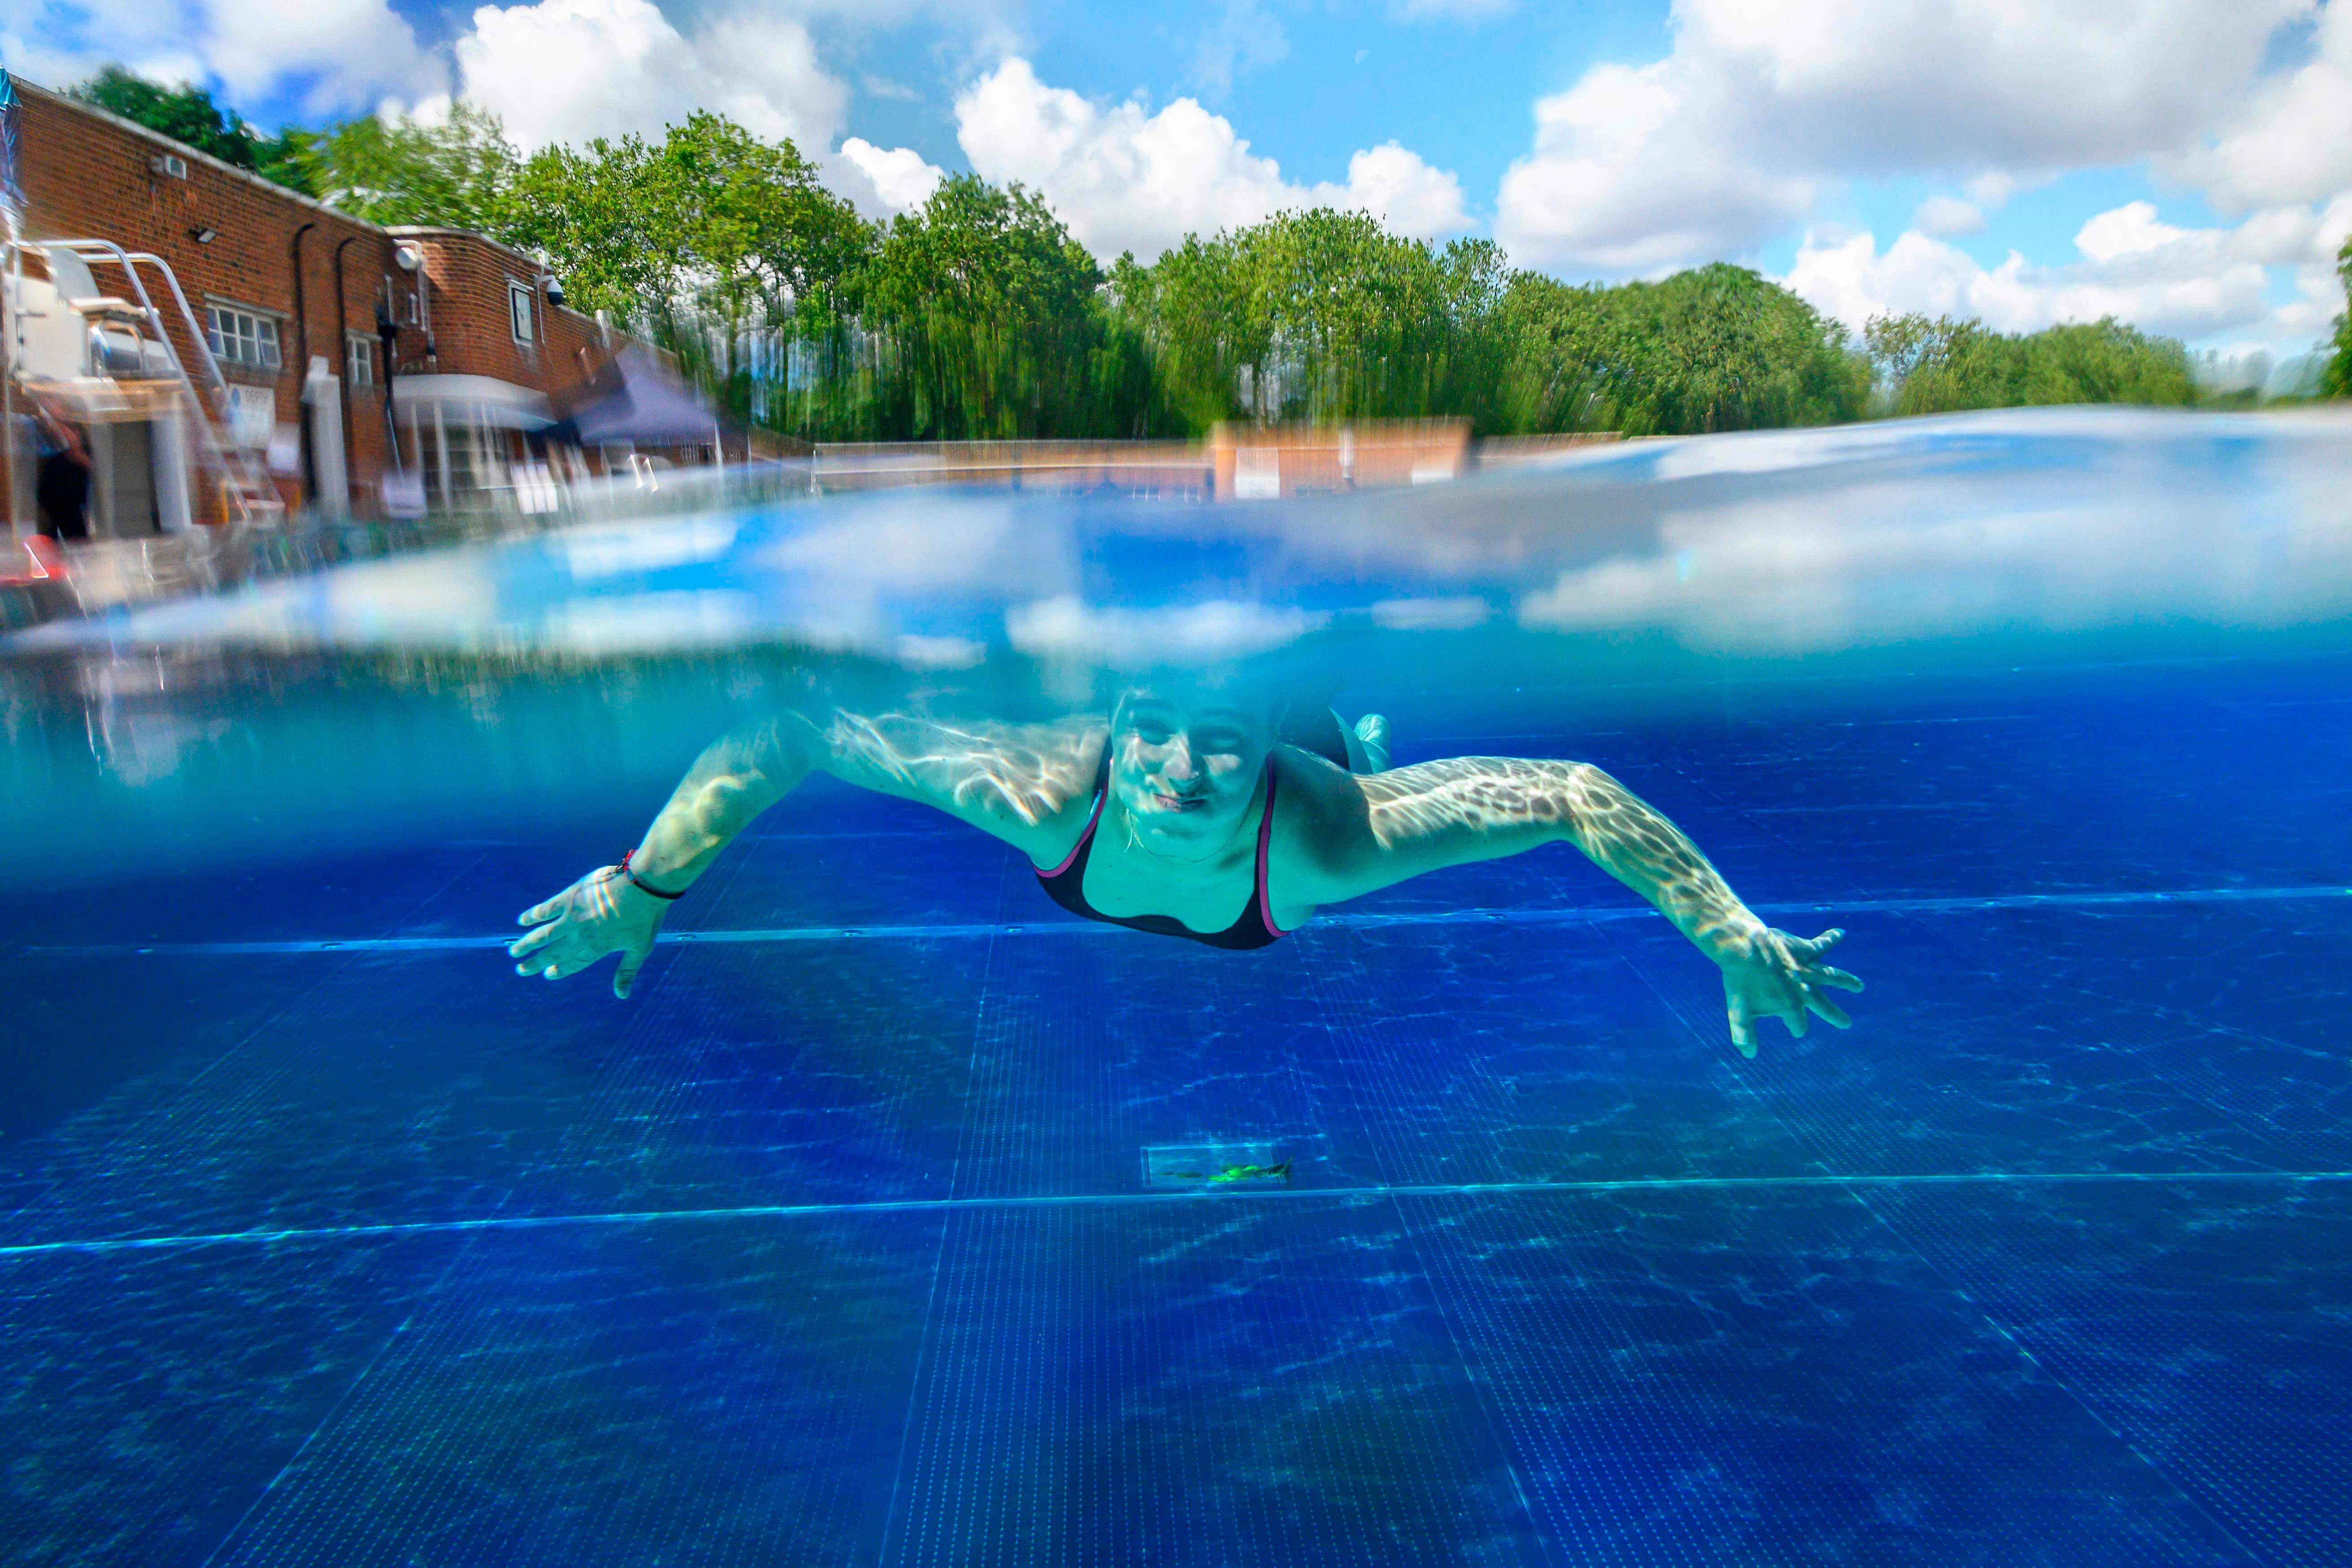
[1254,927]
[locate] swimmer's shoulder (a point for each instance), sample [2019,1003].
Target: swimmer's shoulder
[1321,818]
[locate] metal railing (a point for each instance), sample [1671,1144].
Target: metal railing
[250,485]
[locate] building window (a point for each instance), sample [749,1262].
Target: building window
[359,360]
[242,337]
[519,308]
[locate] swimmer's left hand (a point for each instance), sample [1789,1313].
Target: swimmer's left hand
[1773,974]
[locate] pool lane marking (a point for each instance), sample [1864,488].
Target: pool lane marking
[1091,928]
[1073,1200]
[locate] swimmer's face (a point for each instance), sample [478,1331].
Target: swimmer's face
[1185,772]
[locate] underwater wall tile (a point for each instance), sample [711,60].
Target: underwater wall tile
[150,1396]
[2205,1323]
[1503,1052]
[415,1088]
[686,1392]
[2236,1008]
[1196,1383]
[1709,1376]
[2038,784]
[766,1075]
[857,881]
[101,1038]
[390,1087]
[310,891]
[2044,1370]
[1950,1070]
[1094,1045]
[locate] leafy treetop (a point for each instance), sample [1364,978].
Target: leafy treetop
[188,115]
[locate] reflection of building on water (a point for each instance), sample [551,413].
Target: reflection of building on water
[1237,463]
[210,348]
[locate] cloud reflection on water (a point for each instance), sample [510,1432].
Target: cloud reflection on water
[2258,537]
[1759,544]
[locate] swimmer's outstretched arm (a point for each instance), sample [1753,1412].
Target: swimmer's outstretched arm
[1017,782]
[1381,828]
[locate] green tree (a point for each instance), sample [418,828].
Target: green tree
[458,174]
[994,318]
[1717,348]
[710,240]
[980,317]
[188,115]
[2336,379]
[1722,348]
[588,211]
[1555,340]
[2105,362]
[1318,315]
[1940,366]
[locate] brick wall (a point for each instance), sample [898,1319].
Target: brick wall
[89,175]
[472,278]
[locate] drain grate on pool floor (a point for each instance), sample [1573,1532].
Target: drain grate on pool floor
[1213,1167]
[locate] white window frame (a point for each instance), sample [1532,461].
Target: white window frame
[522,313]
[228,346]
[360,352]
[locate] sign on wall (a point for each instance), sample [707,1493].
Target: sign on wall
[252,417]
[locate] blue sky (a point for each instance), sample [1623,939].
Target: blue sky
[2184,164]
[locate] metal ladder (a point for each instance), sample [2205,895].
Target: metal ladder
[246,487]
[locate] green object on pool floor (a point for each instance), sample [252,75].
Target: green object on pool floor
[1235,1172]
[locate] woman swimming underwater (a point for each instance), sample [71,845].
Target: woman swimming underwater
[1180,810]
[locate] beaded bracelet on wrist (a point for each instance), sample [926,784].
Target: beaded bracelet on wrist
[639,883]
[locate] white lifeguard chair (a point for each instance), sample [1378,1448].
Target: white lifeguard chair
[107,362]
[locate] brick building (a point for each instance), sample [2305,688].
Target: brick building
[313,359]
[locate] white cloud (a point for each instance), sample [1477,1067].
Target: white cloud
[884,180]
[1633,171]
[1884,85]
[1396,186]
[1946,216]
[1451,10]
[1762,103]
[2126,230]
[1447,614]
[1215,632]
[1124,178]
[2148,526]
[352,50]
[567,70]
[1992,189]
[2193,283]
[32,51]
[1244,37]
[2290,140]
[340,54]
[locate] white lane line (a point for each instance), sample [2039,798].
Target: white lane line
[1348,1194]
[945,933]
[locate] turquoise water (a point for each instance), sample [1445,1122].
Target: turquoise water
[325,1238]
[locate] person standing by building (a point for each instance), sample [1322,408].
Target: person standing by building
[61,485]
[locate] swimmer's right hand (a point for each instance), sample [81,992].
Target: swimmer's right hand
[601,912]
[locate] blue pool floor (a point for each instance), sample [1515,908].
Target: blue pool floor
[325,1239]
